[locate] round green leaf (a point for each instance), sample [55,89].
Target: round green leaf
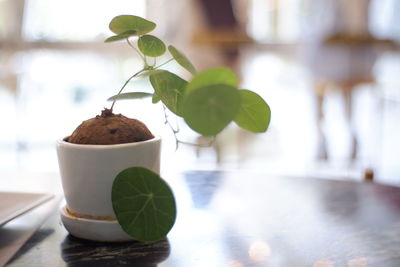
[151,46]
[254,114]
[121,36]
[131,95]
[182,59]
[212,76]
[125,23]
[208,110]
[143,204]
[170,89]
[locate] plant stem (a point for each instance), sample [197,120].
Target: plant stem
[176,131]
[169,60]
[122,88]
[137,51]
[197,144]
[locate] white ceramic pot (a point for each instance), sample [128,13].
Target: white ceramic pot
[88,171]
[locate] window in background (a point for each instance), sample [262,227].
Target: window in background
[55,72]
[74,20]
[284,21]
[276,20]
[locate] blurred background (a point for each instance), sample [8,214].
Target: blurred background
[329,69]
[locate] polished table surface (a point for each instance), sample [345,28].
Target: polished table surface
[241,219]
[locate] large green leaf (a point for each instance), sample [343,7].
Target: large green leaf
[151,46]
[208,110]
[155,99]
[254,114]
[124,23]
[212,76]
[120,36]
[143,204]
[131,95]
[170,89]
[182,59]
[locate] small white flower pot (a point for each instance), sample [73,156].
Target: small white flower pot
[87,174]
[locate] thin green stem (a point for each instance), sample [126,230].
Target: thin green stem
[137,51]
[197,144]
[176,131]
[125,84]
[145,61]
[154,62]
[150,66]
[169,60]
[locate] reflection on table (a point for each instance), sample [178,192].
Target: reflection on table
[248,219]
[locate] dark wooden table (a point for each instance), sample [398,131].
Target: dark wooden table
[240,219]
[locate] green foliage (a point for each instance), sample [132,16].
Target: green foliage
[155,99]
[151,46]
[169,88]
[254,114]
[213,76]
[208,110]
[132,95]
[129,23]
[208,103]
[121,36]
[142,201]
[143,204]
[182,59]
[149,72]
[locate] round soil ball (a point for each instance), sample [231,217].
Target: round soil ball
[109,129]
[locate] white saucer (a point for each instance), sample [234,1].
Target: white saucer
[95,230]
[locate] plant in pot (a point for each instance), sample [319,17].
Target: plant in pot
[110,164]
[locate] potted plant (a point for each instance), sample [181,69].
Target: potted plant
[110,164]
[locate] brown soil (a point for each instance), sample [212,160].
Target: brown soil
[109,129]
